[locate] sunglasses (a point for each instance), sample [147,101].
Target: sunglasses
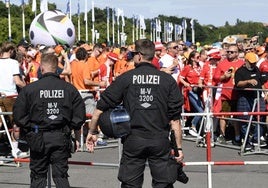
[231,52]
[175,47]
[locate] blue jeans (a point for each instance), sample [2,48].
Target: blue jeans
[196,103]
[246,105]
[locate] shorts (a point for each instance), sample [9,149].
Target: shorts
[229,106]
[6,105]
[90,102]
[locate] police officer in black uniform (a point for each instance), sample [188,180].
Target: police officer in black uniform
[154,103]
[48,110]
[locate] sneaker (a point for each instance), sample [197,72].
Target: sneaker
[193,132]
[236,142]
[101,142]
[21,154]
[221,139]
[249,147]
[262,143]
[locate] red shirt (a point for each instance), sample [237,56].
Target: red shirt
[190,74]
[155,62]
[264,68]
[222,67]
[207,73]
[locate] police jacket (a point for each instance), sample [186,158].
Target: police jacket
[50,103]
[151,97]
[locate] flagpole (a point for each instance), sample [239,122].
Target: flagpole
[9,24]
[23,22]
[193,31]
[193,36]
[86,21]
[78,20]
[113,15]
[118,34]
[78,27]
[93,20]
[151,31]
[70,10]
[137,27]
[108,24]
[184,30]
[133,29]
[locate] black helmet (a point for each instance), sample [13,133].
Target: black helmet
[114,123]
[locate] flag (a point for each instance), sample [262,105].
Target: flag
[85,18]
[170,27]
[22,3]
[153,24]
[93,12]
[192,23]
[68,7]
[118,14]
[184,24]
[43,5]
[158,25]
[7,3]
[142,22]
[178,29]
[34,6]
[78,7]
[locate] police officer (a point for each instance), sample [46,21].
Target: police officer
[48,110]
[154,103]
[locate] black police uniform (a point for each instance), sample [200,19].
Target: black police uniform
[152,98]
[49,109]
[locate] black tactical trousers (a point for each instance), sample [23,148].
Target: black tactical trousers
[56,154]
[136,151]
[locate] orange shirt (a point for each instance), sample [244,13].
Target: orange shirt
[102,58]
[128,66]
[92,65]
[77,74]
[119,67]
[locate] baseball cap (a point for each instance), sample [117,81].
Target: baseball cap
[113,56]
[158,46]
[214,53]
[251,57]
[24,43]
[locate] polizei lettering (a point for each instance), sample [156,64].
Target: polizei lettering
[52,94]
[146,79]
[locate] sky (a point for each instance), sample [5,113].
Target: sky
[203,11]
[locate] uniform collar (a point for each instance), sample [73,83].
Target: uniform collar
[50,74]
[141,64]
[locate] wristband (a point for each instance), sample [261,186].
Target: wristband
[179,149]
[93,132]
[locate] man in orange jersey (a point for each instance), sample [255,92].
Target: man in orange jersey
[92,81]
[120,64]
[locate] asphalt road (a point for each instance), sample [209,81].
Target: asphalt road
[100,176]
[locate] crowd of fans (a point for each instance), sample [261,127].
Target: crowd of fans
[202,72]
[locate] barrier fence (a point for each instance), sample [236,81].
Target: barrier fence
[208,124]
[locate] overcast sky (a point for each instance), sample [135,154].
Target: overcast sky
[204,11]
